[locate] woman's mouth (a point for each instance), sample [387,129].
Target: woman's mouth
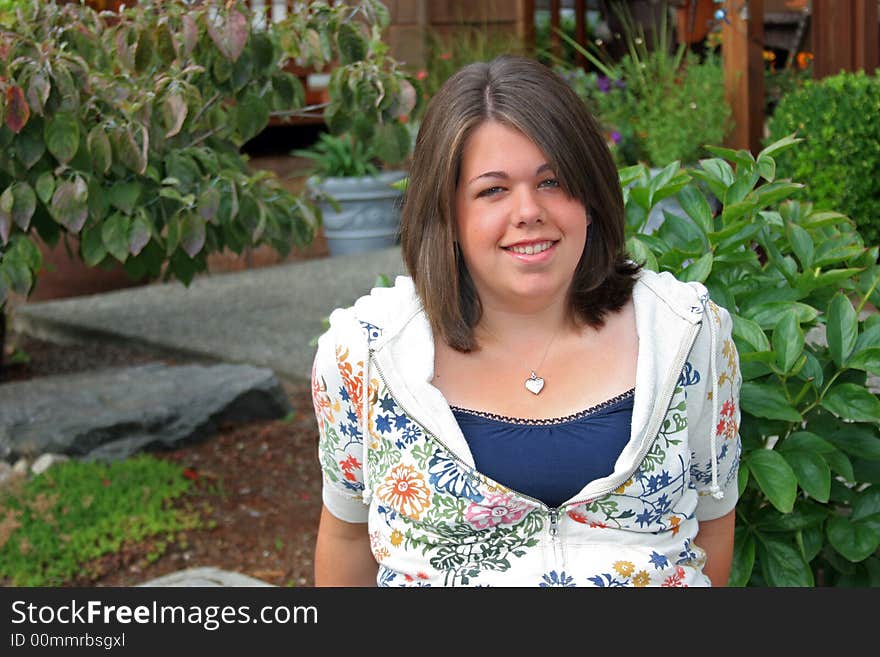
[531,248]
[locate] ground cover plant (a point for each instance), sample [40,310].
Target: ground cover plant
[798,281]
[55,523]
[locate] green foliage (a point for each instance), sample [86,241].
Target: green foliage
[809,512]
[125,130]
[840,158]
[338,156]
[54,524]
[655,104]
[466,44]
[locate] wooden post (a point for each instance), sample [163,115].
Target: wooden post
[742,38]
[845,36]
[526,23]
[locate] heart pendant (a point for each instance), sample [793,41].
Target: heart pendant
[534,384]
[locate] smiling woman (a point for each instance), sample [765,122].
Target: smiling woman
[529,407]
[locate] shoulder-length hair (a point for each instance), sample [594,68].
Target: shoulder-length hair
[525,95]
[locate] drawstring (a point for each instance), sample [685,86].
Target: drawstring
[365,425]
[714,489]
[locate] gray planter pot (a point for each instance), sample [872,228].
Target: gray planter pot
[369,212]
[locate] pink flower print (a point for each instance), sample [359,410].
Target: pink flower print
[495,509]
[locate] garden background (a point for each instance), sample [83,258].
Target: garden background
[161,157]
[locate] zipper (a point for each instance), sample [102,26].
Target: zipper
[659,414]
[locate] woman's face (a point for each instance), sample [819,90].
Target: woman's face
[520,234]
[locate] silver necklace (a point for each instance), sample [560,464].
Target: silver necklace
[535,384]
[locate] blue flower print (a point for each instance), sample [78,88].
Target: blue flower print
[445,475]
[660,561]
[557,579]
[609,581]
[688,377]
[373,332]
[383,424]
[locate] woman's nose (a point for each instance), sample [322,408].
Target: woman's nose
[528,209]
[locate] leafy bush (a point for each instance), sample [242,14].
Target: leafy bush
[77,511]
[656,104]
[796,280]
[840,159]
[339,156]
[125,129]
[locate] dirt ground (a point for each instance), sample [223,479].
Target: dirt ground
[258,485]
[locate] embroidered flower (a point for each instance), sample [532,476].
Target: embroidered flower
[674,523]
[495,509]
[396,538]
[405,491]
[577,516]
[624,568]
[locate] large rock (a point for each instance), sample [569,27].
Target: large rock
[114,413]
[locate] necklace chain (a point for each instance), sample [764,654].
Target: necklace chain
[534,384]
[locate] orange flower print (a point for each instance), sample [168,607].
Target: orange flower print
[641,579]
[674,522]
[348,466]
[624,568]
[321,400]
[396,538]
[719,429]
[405,491]
[577,516]
[676,579]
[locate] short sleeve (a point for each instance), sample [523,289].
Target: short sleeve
[335,394]
[715,359]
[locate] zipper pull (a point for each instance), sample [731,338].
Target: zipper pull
[554,524]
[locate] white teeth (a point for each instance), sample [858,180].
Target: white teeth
[531,249]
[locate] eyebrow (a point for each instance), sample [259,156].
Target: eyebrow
[503,175]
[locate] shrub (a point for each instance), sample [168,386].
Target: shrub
[839,160]
[77,511]
[795,279]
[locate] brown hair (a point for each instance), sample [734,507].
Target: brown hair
[527,96]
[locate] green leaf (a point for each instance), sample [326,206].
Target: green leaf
[767,315]
[783,565]
[17,110]
[45,186]
[780,145]
[69,204]
[859,440]
[192,234]
[252,115]
[812,472]
[766,167]
[125,195]
[851,401]
[867,360]
[114,234]
[866,505]
[139,234]
[99,148]
[62,137]
[695,205]
[788,341]
[350,43]
[209,204]
[775,477]
[842,327]
[92,247]
[24,203]
[641,253]
[698,270]
[854,540]
[743,559]
[174,112]
[765,400]
[751,332]
[802,244]
[810,442]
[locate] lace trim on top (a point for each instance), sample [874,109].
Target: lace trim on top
[548,421]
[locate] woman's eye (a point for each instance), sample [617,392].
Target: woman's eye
[490,191]
[549,182]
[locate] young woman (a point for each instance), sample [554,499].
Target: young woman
[529,407]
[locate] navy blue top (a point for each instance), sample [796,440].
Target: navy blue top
[549,460]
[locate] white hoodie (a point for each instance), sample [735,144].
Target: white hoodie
[433,519]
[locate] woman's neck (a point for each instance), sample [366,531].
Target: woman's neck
[525,328]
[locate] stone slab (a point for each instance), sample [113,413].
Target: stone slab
[206,576]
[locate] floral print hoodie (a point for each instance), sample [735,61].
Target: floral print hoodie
[392,455]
